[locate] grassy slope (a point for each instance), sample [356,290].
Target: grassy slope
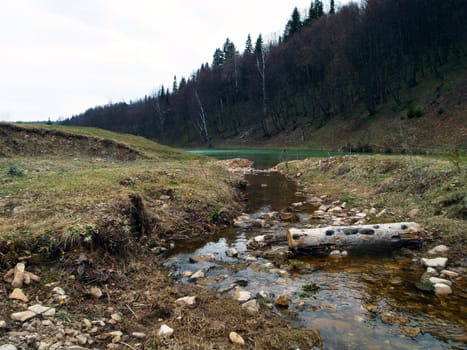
[64,197]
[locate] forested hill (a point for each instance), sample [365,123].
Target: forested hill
[344,76]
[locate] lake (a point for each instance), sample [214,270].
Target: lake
[262,157]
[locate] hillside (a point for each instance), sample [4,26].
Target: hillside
[370,76]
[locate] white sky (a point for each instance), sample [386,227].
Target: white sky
[60,57]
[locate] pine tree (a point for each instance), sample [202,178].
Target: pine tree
[293,25]
[259,45]
[229,49]
[182,83]
[175,85]
[332,8]
[248,45]
[318,9]
[218,58]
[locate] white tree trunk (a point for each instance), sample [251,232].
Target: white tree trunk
[347,237]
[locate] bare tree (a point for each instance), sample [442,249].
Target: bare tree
[201,122]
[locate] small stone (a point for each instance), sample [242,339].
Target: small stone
[282,300]
[116,336]
[442,289]
[59,291]
[96,292]
[241,295]
[116,317]
[413,213]
[197,275]
[8,347]
[250,258]
[231,252]
[344,253]
[439,249]
[410,331]
[186,300]
[431,271]
[47,323]
[251,306]
[165,331]
[22,315]
[450,274]
[2,324]
[86,323]
[236,338]
[202,258]
[139,335]
[187,273]
[436,262]
[435,280]
[82,340]
[335,210]
[18,294]
[282,281]
[335,254]
[41,309]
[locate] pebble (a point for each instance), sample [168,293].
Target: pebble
[186,300]
[187,273]
[116,317]
[82,340]
[202,258]
[96,292]
[410,331]
[435,280]
[231,252]
[448,273]
[165,331]
[236,338]
[241,295]
[139,335]
[282,300]
[431,271]
[59,291]
[436,262]
[197,275]
[251,306]
[18,294]
[442,289]
[41,309]
[22,316]
[439,249]
[2,324]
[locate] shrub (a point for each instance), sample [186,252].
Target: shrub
[14,171]
[416,112]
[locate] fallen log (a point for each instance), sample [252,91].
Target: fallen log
[401,234]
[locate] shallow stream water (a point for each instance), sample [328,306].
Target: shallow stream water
[360,301]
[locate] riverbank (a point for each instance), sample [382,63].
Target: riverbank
[85,220]
[429,191]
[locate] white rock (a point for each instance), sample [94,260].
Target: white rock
[8,347]
[436,280]
[241,295]
[335,254]
[344,253]
[442,289]
[187,273]
[381,213]
[251,306]
[431,271]
[165,331]
[47,323]
[236,338]
[41,309]
[187,300]
[202,258]
[18,294]
[22,315]
[436,262]
[197,275]
[250,258]
[2,324]
[439,249]
[448,273]
[139,335]
[59,291]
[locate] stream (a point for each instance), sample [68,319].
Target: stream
[357,302]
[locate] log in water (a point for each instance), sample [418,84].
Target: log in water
[400,234]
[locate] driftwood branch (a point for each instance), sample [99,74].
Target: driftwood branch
[401,234]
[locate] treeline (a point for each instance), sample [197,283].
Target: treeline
[323,65]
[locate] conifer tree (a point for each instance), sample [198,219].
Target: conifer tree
[293,25]
[218,58]
[332,8]
[248,45]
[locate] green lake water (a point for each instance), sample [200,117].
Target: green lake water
[262,157]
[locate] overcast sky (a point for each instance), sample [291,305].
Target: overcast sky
[60,57]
